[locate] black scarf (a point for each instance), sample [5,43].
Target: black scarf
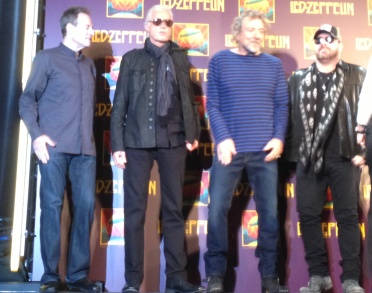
[166,81]
[315,132]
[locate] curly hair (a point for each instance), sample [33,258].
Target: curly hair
[237,24]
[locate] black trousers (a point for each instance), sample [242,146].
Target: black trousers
[171,163]
[343,179]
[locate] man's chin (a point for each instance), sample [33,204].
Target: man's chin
[253,50]
[254,47]
[87,43]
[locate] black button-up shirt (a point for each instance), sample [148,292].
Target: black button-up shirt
[59,100]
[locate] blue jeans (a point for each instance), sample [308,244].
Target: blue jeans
[81,170]
[263,178]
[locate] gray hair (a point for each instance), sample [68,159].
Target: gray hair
[237,24]
[157,8]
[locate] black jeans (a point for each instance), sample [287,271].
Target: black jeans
[171,163]
[343,178]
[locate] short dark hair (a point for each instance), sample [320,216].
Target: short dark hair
[70,16]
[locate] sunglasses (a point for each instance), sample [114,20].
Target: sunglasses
[325,40]
[158,21]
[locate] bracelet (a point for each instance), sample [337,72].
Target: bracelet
[360,132]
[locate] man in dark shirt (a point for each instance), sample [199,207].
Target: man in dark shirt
[57,107]
[322,139]
[154,118]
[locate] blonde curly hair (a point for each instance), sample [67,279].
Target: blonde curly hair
[237,24]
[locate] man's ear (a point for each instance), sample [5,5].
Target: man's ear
[69,28]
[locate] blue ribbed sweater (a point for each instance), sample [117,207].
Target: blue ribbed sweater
[247,99]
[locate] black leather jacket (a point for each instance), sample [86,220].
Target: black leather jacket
[133,115]
[347,112]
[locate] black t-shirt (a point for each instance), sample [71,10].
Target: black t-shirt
[331,148]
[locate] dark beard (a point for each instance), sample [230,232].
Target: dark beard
[325,59]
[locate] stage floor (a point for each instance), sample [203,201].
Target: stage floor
[27,287]
[23,287]
[19,287]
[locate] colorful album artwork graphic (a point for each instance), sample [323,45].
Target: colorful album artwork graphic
[112,68]
[266,7]
[112,226]
[125,8]
[195,189]
[192,36]
[249,228]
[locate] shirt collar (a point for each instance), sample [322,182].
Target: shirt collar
[77,55]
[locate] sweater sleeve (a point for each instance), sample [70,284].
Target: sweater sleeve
[219,128]
[280,104]
[365,99]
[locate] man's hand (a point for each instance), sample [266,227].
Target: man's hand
[274,148]
[358,161]
[193,146]
[225,151]
[120,159]
[40,147]
[361,135]
[361,139]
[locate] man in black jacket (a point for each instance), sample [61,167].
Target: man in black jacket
[154,117]
[322,140]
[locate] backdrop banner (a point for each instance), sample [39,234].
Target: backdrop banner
[203,26]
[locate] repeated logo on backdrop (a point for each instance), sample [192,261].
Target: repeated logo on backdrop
[125,8]
[195,191]
[249,228]
[112,68]
[309,42]
[308,35]
[266,7]
[196,38]
[112,226]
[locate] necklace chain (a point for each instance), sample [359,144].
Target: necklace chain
[321,78]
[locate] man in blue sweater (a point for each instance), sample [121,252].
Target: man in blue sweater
[247,103]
